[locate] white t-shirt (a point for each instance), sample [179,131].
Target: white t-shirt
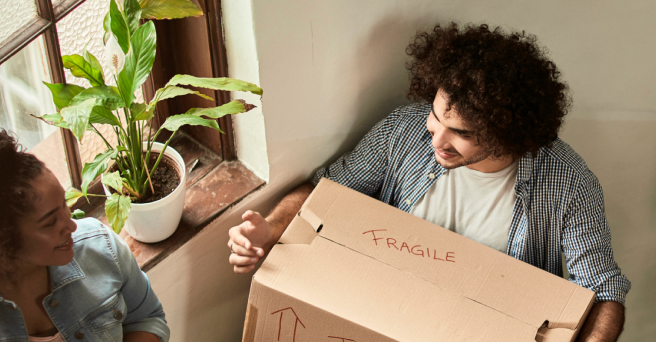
[473,204]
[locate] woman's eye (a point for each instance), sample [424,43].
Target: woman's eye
[52,222]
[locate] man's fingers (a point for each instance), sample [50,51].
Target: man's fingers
[243,269]
[239,260]
[238,237]
[239,250]
[254,217]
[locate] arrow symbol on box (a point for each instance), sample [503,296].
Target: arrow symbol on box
[282,312]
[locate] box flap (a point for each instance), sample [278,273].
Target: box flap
[299,231]
[320,202]
[449,261]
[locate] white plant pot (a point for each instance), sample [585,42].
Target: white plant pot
[156,221]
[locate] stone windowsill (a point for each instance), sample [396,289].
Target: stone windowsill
[212,186]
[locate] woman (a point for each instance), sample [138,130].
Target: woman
[64,280]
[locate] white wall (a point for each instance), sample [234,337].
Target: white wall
[331,69]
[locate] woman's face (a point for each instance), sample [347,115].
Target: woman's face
[46,232]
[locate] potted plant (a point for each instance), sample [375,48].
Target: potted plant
[130,50]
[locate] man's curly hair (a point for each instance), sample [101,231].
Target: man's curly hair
[502,85]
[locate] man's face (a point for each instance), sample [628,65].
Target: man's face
[454,144]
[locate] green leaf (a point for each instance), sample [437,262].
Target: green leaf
[52,119]
[77,117]
[78,214]
[119,26]
[105,37]
[81,68]
[138,62]
[92,170]
[173,123]
[106,96]
[117,208]
[132,12]
[58,121]
[107,27]
[139,112]
[173,91]
[168,9]
[222,83]
[232,107]
[113,180]
[63,93]
[107,23]
[72,196]
[170,92]
[103,116]
[91,59]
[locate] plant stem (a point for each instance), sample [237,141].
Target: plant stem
[151,144]
[150,132]
[101,136]
[123,141]
[148,174]
[161,153]
[130,191]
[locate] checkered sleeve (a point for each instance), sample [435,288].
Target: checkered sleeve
[587,247]
[363,168]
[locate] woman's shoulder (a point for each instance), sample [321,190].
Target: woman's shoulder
[92,237]
[89,226]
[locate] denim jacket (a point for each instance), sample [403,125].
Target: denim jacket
[99,296]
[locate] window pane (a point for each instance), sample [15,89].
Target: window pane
[22,93]
[14,15]
[80,27]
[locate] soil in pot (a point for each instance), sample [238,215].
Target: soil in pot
[165,179]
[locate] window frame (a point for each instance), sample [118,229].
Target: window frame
[168,64]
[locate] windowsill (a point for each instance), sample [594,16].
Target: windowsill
[212,187]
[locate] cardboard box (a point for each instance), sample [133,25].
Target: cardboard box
[352,269]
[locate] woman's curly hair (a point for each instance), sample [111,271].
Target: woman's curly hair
[17,170]
[502,85]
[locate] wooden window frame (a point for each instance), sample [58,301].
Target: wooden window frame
[169,63]
[45,24]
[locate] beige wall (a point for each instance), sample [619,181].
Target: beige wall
[331,69]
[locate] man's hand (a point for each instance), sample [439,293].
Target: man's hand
[254,238]
[604,324]
[249,241]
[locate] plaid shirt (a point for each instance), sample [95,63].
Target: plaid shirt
[559,207]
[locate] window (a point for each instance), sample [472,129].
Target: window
[34,36]
[29,54]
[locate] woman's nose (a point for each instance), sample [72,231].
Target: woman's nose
[71,226]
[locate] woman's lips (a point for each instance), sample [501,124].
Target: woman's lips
[66,245]
[445,155]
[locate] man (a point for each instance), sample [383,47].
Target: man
[482,158]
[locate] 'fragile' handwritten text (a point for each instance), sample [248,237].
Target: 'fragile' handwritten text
[400,246]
